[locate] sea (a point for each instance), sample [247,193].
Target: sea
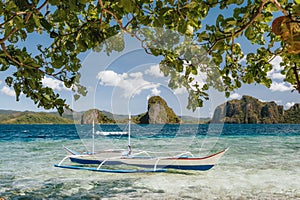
[262,162]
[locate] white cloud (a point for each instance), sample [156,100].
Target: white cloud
[281,87]
[181,90]
[200,78]
[8,91]
[275,73]
[131,84]
[276,63]
[54,84]
[235,96]
[277,76]
[263,100]
[136,75]
[289,104]
[155,91]
[154,71]
[278,101]
[0,82]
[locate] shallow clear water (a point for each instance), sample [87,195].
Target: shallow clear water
[263,162]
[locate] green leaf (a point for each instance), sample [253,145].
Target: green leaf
[45,24]
[54,2]
[36,19]
[60,102]
[23,34]
[127,5]
[49,70]
[231,21]
[83,1]
[205,87]
[227,94]
[76,97]
[239,2]
[30,26]
[189,30]
[70,45]
[13,38]
[59,15]
[10,5]
[194,70]
[249,33]
[53,34]
[17,88]
[19,22]
[238,83]
[9,81]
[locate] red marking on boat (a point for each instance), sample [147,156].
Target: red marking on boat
[183,158]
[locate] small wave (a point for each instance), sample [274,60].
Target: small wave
[36,136]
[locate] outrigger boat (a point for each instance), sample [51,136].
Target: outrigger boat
[142,161]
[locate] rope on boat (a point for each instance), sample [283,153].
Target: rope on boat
[156,163]
[102,163]
[148,153]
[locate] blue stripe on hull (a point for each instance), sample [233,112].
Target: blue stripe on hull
[188,167]
[94,162]
[180,167]
[109,170]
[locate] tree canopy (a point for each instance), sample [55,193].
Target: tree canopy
[76,26]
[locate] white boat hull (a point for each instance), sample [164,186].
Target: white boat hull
[182,162]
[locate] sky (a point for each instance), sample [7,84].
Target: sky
[124,81]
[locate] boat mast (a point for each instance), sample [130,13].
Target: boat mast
[93,136]
[129,130]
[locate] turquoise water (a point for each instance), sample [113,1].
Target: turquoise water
[263,162]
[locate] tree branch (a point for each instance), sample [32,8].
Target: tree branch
[297,77]
[277,4]
[6,21]
[14,30]
[242,28]
[9,56]
[43,5]
[8,35]
[13,59]
[115,18]
[113,15]
[23,13]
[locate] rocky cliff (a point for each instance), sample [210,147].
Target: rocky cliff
[292,115]
[158,113]
[97,116]
[249,110]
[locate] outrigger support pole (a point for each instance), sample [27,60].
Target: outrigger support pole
[129,130]
[93,136]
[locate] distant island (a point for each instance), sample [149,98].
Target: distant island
[29,117]
[158,112]
[247,110]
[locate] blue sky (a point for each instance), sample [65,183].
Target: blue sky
[123,82]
